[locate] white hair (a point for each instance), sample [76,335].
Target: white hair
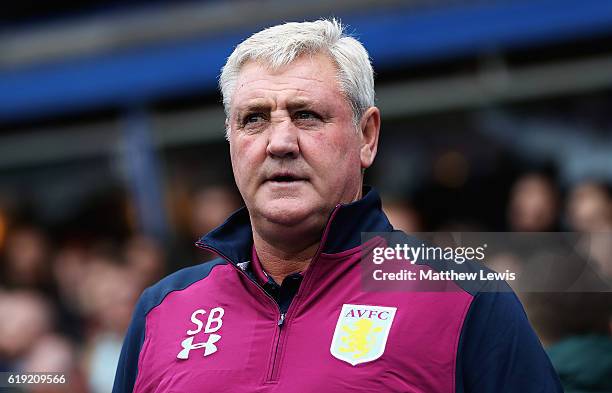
[280,45]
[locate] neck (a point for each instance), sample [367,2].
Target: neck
[278,262]
[293,251]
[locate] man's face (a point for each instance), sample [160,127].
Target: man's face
[294,148]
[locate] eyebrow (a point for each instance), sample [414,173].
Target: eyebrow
[300,103]
[264,105]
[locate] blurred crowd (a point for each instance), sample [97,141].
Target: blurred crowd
[65,306]
[573,320]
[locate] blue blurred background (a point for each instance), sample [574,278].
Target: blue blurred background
[113,160]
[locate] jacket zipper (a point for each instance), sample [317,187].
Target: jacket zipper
[281,316]
[272,374]
[270,377]
[273,366]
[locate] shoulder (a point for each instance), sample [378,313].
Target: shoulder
[127,368]
[496,312]
[177,281]
[498,348]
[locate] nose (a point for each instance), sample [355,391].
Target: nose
[283,140]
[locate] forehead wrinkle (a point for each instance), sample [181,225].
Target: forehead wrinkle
[291,79]
[295,97]
[278,85]
[259,104]
[280,88]
[254,92]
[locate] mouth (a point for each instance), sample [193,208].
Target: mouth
[285,178]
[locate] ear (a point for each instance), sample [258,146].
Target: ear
[370,130]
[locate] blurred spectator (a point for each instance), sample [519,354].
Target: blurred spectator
[51,353]
[25,259]
[590,208]
[103,355]
[403,216]
[54,353]
[575,328]
[211,206]
[584,363]
[534,204]
[25,317]
[597,249]
[107,296]
[69,269]
[208,208]
[69,266]
[145,258]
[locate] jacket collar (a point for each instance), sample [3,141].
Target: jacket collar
[233,239]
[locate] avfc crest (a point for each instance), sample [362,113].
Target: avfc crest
[361,333]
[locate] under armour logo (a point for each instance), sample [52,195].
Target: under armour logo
[213,324]
[188,345]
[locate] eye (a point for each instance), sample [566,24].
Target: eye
[306,115]
[253,118]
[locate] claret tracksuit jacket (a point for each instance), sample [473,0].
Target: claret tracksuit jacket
[225,326]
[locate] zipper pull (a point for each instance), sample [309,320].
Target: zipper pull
[281,320]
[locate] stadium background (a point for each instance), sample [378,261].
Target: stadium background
[112,158]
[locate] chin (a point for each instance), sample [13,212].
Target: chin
[286,217]
[286,212]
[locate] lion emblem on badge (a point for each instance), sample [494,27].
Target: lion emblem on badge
[360,340]
[361,333]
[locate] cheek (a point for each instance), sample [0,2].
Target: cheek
[344,148]
[246,155]
[337,153]
[238,159]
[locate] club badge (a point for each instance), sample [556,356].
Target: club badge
[361,333]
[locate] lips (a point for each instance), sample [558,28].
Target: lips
[285,177]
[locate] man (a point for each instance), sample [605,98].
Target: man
[282,309]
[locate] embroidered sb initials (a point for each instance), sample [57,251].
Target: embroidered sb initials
[213,324]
